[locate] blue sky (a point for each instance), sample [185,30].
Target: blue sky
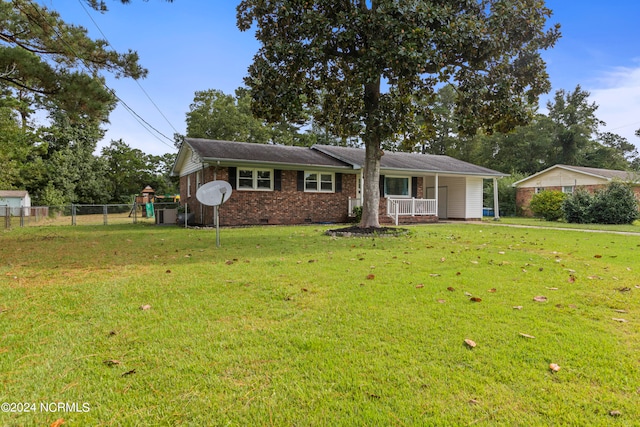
[192,45]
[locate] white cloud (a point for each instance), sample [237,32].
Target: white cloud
[617,94]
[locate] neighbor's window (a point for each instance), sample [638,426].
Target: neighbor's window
[567,189]
[319,181]
[539,190]
[255,179]
[396,186]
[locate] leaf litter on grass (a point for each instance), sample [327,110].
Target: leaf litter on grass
[485,332]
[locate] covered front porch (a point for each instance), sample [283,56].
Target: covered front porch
[429,198]
[399,211]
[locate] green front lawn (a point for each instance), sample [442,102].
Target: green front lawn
[286,326]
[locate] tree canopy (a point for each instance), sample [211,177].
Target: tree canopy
[216,115]
[367,64]
[568,134]
[44,61]
[575,121]
[50,66]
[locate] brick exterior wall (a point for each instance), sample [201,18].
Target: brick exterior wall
[285,207]
[523,198]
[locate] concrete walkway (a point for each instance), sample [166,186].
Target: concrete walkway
[624,233]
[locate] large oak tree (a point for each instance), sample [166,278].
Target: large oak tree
[371,64]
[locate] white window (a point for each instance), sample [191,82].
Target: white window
[255,179]
[319,181]
[397,186]
[567,189]
[539,190]
[188,185]
[198,179]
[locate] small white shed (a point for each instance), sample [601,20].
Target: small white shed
[12,202]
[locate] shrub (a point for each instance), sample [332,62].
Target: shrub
[357,213]
[616,204]
[548,205]
[577,207]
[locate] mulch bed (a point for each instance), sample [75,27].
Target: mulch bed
[356,231]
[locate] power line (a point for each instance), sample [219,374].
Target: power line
[138,118]
[135,79]
[624,126]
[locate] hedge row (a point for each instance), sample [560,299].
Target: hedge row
[615,204]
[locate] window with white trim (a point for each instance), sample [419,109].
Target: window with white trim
[567,189]
[539,190]
[188,185]
[397,186]
[319,181]
[255,179]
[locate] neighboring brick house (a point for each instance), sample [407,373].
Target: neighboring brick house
[568,179]
[275,184]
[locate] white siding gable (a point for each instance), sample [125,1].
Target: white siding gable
[189,164]
[561,178]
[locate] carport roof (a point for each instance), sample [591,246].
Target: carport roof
[415,162]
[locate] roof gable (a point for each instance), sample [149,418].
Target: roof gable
[243,152]
[605,173]
[595,173]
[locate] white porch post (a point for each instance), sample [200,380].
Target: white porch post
[436,194]
[496,205]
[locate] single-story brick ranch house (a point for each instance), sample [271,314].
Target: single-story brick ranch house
[275,184]
[568,179]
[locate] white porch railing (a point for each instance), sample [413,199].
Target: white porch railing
[411,207]
[354,203]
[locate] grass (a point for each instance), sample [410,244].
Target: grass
[287,326]
[120,218]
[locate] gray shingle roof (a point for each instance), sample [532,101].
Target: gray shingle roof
[212,150]
[604,173]
[329,156]
[410,161]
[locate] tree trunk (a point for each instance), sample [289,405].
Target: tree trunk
[371,187]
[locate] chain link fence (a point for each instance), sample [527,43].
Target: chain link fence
[77,214]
